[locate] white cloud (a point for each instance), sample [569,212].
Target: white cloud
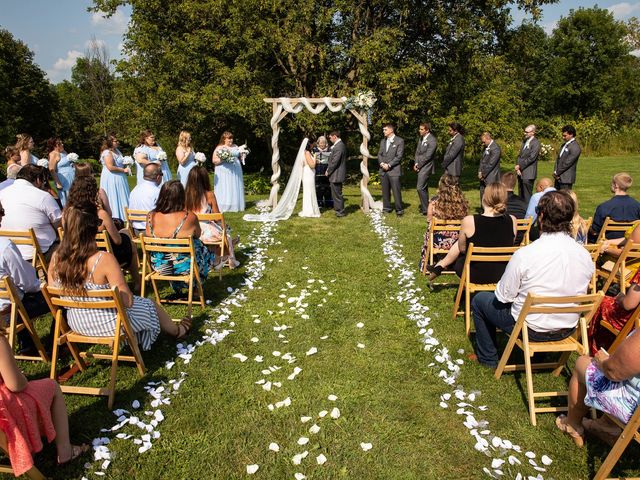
[624,9]
[549,27]
[96,42]
[61,69]
[116,24]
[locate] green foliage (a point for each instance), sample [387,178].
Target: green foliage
[256,184]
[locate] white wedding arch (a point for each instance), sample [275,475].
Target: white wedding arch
[284,105]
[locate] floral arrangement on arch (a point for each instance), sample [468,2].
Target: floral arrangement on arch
[545,150]
[363,100]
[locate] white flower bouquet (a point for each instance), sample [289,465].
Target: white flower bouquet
[201,158]
[162,156]
[363,100]
[127,162]
[244,151]
[43,162]
[225,155]
[73,157]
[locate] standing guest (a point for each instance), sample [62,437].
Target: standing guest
[323,189]
[61,168]
[337,171]
[579,230]
[12,174]
[170,219]
[25,144]
[114,177]
[527,163]
[454,154]
[390,160]
[84,169]
[27,206]
[424,164]
[228,183]
[32,410]
[489,171]
[145,195]
[148,151]
[12,154]
[516,206]
[185,156]
[553,265]
[564,171]
[544,185]
[199,198]
[620,208]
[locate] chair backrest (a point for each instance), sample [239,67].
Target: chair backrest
[632,324]
[135,216]
[594,251]
[523,227]
[439,225]
[612,226]
[485,254]
[630,252]
[103,241]
[27,237]
[167,245]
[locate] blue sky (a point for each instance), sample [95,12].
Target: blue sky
[58,31]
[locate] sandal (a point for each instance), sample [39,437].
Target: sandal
[184,327]
[76,451]
[434,271]
[577,435]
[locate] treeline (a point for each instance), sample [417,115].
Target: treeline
[206,67]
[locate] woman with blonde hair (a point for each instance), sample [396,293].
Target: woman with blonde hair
[25,144]
[492,228]
[185,156]
[228,183]
[579,230]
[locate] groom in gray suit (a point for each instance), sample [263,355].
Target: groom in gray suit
[453,156]
[389,158]
[567,161]
[527,163]
[337,171]
[489,171]
[424,165]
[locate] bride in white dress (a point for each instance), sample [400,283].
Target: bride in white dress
[302,173]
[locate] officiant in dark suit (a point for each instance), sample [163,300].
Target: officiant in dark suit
[527,163]
[424,164]
[489,171]
[390,158]
[454,154]
[564,171]
[337,171]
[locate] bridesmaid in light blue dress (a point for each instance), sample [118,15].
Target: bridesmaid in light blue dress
[25,143]
[185,156]
[62,169]
[146,152]
[113,178]
[228,183]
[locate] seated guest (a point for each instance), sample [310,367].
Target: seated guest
[85,190]
[578,224]
[12,154]
[553,265]
[493,228]
[615,311]
[620,208]
[32,410]
[170,219]
[323,189]
[544,185]
[448,203]
[12,173]
[613,248]
[79,266]
[609,383]
[84,170]
[145,195]
[199,198]
[27,206]
[516,206]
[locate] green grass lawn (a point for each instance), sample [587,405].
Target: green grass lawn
[321,278]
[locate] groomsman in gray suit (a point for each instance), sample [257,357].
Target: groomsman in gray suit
[567,162]
[389,158]
[424,165]
[337,171]
[527,163]
[452,162]
[489,171]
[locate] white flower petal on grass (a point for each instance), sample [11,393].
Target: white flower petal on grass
[335,413]
[314,428]
[361,345]
[312,351]
[251,469]
[366,446]
[305,419]
[303,441]
[299,476]
[255,339]
[360,325]
[324,337]
[258,359]
[530,455]
[267,386]
[546,460]
[274,447]
[497,463]
[332,398]
[444,405]
[276,353]
[240,357]
[513,460]
[323,414]
[321,459]
[135,404]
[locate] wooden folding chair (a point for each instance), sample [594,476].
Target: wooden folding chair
[477,255]
[632,323]
[222,243]
[610,226]
[594,251]
[619,272]
[103,241]
[437,225]
[170,246]
[19,320]
[523,227]
[63,335]
[135,216]
[584,305]
[33,473]
[28,237]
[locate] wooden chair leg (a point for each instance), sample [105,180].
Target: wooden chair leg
[616,451]
[506,354]
[531,399]
[456,305]
[562,361]
[467,311]
[155,290]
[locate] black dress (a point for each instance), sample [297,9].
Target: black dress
[323,189]
[490,232]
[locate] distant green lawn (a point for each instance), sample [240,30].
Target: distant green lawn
[388,395]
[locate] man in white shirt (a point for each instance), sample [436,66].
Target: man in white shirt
[554,265]
[145,195]
[26,206]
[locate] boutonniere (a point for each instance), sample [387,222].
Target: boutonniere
[486,151]
[450,141]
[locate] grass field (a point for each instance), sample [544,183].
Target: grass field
[307,284]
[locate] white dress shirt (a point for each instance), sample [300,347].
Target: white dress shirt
[21,272]
[554,265]
[25,207]
[143,197]
[389,142]
[564,147]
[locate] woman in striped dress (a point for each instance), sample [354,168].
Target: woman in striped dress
[78,266]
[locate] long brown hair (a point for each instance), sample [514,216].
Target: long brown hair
[84,189]
[450,203]
[198,184]
[224,136]
[170,198]
[77,246]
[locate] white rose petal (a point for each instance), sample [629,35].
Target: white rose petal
[300,476]
[239,356]
[312,351]
[366,446]
[361,345]
[546,460]
[332,398]
[360,325]
[314,428]
[274,447]
[323,414]
[321,459]
[303,441]
[251,469]
[305,419]
[335,413]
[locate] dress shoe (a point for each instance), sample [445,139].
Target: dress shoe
[399,214]
[341,214]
